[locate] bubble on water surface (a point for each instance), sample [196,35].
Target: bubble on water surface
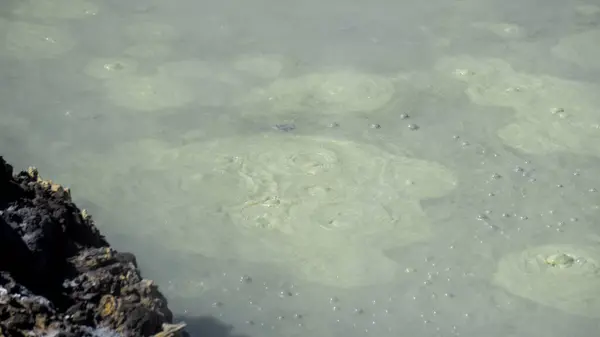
[25,40]
[561,276]
[552,114]
[110,68]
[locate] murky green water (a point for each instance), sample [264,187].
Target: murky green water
[327,168]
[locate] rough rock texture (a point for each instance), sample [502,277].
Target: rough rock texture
[58,274]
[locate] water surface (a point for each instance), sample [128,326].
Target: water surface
[326,168]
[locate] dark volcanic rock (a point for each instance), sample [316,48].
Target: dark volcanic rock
[58,274]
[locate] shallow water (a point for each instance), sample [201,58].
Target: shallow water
[128,103]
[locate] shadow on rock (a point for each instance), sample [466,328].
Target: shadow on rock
[205,326]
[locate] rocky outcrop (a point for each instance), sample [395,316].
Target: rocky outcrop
[58,274]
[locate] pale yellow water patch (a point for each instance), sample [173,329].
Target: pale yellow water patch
[148,93]
[504,30]
[189,68]
[194,69]
[530,137]
[588,10]
[215,83]
[26,40]
[321,208]
[582,49]
[151,32]
[561,276]
[552,114]
[260,65]
[110,68]
[330,92]
[56,9]
[149,51]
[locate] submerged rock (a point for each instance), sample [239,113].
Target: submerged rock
[58,274]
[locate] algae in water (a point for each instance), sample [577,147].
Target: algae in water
[323,209]
[551,114]
[561,276]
